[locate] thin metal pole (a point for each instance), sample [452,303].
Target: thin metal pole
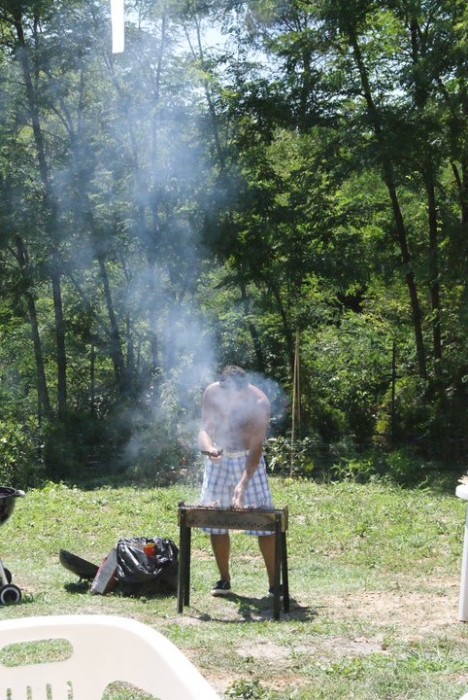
[296,399]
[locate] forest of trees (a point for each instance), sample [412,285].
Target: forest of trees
[280,184]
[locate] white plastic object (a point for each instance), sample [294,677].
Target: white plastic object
[462,492]
[104,649]
[117,23]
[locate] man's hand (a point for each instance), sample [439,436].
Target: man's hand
[238,496]
[214,455]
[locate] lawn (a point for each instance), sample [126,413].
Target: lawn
[374,578]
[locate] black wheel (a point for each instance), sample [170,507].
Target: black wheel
[7,575]
[10,594]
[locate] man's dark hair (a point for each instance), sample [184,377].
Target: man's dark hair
[233,376]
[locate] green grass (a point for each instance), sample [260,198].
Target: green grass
[374,577]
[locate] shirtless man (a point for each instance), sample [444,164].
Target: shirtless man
[235,417]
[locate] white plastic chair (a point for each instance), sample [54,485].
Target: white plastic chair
[104,649]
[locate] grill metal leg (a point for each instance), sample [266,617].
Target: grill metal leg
[277,584]
[183,577]
[281,581]
[284,560]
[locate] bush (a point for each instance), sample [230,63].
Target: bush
[280,455]
[21,463]
[405,468]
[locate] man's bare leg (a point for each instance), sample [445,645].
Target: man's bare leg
[267,547]
[221,545]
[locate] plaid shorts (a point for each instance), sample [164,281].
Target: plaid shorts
[221,479]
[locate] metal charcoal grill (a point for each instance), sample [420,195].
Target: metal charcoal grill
[233,519]
[9,593]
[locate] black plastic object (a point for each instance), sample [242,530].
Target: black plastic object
[81,567]
[7,502]
[139,573]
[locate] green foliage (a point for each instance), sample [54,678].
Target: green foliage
[20,453]
[342,461]
[349,366]
[404,467]
[184,205]
[284,457]
[411,413]
[153,456]
[356,470]
[84,444]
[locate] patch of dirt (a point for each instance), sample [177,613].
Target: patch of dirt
[406,611]
[412,614]
[263,650]
[409,615]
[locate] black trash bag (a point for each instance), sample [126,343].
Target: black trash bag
[139,573]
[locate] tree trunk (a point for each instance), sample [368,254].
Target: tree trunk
[253,331]
[59,339]
[43,401]
[115,349]
[51,212]
[434,276]
[400,228]
[287,332]
[427,171]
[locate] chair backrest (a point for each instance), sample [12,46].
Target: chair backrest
[103,649]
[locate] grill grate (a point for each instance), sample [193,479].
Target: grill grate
[233,518]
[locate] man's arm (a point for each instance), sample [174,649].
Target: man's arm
[206,435]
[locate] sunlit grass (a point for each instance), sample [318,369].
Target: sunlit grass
[346,541]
